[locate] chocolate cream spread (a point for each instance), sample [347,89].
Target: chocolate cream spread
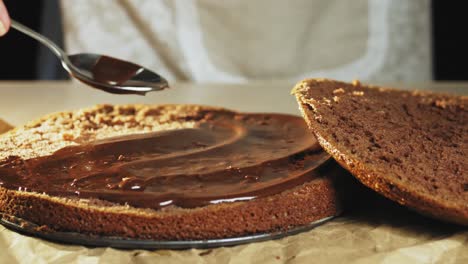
[111,71]
[225,158]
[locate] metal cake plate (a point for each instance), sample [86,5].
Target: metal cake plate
[31,229]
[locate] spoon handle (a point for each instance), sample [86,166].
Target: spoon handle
[47,42]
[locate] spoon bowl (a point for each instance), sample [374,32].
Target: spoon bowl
[100,71]
[114,75]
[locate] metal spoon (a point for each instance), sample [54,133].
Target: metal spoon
[100,71]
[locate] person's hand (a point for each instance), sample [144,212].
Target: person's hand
[4,19]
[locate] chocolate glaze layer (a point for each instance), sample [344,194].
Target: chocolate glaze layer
[225,158]
[111,70]
[114,72]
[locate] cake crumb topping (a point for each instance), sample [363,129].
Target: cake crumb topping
[338,91]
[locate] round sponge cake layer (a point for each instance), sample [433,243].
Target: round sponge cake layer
[410,146]
[298,206]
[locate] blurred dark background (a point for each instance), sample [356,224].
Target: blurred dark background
[449,42]
[17,51]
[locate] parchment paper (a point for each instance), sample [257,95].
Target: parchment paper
[371,230]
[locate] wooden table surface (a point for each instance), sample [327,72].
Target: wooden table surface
[23,101]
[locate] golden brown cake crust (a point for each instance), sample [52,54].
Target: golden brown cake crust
[301,205]
[4,126]
[387,142]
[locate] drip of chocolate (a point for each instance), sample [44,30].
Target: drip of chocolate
[224,158]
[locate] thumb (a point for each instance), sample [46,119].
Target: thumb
[4,19]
